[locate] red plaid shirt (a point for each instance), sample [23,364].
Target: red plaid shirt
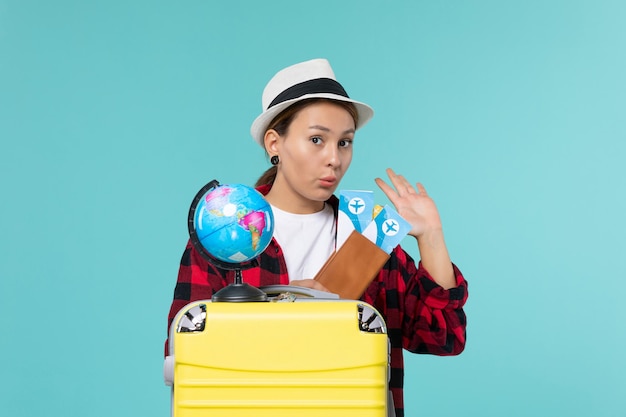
[421,316]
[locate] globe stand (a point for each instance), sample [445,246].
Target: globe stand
[239,292]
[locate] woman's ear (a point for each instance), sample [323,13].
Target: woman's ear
[271,142]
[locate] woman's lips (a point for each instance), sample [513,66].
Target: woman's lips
[328,181]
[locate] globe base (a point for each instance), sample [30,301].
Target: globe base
[239,293]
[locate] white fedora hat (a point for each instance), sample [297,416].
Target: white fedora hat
[309,79]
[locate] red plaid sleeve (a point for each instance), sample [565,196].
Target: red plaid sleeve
[197,280]
[434,320]
[419,312]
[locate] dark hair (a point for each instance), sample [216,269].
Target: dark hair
[283,120]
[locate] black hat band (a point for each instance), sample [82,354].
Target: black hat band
[315,86]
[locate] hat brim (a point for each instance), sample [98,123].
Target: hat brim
[259,126]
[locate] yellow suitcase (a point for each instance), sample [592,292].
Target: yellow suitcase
[294,355]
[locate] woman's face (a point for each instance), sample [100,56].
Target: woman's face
[314,153]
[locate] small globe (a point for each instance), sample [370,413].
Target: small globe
[233,223]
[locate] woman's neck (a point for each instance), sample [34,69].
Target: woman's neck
[291,202]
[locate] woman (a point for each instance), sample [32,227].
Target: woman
[307,128]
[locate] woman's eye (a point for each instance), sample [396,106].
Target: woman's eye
[316,139]
[345,143]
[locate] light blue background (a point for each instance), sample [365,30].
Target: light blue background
[113,114]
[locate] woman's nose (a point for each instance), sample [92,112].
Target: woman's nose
[333,156]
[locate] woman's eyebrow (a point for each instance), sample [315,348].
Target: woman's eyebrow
[325,129]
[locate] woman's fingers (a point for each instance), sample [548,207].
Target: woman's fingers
[401,184]
[309,283]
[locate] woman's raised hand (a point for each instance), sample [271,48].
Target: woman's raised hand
[412,203]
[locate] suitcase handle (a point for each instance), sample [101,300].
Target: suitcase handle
[297,290]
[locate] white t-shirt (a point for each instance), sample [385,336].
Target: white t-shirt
[307,240]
